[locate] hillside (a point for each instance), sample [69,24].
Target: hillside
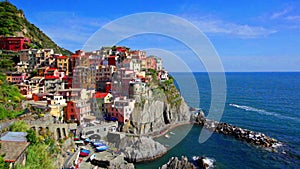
[14,23]
[10,99]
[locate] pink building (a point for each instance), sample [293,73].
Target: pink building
[122,109]
[15,77]
[138,54]
[151,62]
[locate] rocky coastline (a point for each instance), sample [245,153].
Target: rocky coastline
[184,163]
[252,137]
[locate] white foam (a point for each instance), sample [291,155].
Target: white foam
[262,111]
[209,162]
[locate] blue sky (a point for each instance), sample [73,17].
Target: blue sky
[248,36]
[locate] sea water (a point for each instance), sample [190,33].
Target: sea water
[263,102]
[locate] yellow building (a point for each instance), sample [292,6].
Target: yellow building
[63,64]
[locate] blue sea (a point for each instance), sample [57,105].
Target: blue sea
[263,102]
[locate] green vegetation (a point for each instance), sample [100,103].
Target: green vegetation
[10,99]
[19,126]
[38,157]
[2,163]
[8,60]
[41,152]
[14,23]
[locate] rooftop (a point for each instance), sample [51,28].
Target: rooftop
[12,149]
[14,136]
[99,95]
[62,57]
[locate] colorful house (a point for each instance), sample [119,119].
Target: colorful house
[63,64]
[138,54]
[101,104]
[14,43]
[151,62]
[122,109]
[15,77]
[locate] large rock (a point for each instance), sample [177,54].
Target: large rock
[175,163]
[138,149]
[156,111]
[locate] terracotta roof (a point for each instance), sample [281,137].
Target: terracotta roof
[62,57]
[51,77]
[51,69]
[99,95]
[12,149]
[75,56]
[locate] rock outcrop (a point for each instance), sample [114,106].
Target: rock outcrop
[174,162]
[141,149]
[137,149]
[157,109]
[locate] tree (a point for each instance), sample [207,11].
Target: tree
[31,136]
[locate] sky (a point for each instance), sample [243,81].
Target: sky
[248,36]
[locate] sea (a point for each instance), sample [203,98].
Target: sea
[266,102]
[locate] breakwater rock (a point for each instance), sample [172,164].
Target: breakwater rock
[174,162]
[249,136]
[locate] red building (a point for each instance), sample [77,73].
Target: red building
[71,113]
[14,43]
[112,60]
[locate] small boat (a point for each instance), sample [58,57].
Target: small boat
[83,137]
[76,138]
[85,151]
[167,136]
[97,144]
[87,140]
[83,154]
[92,157]
[101,148]
[172,133]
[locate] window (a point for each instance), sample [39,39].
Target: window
[104,129]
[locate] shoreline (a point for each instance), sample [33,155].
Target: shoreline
[166,129]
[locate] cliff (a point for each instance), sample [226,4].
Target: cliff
[136,149]
[160,106]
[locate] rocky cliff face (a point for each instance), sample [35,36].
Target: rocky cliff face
[136,149]
[158,108]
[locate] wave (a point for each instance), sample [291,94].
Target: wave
[262,111]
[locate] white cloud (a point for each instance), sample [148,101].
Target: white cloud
[217,26]
[286,15]
[293,18]
[281,13]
